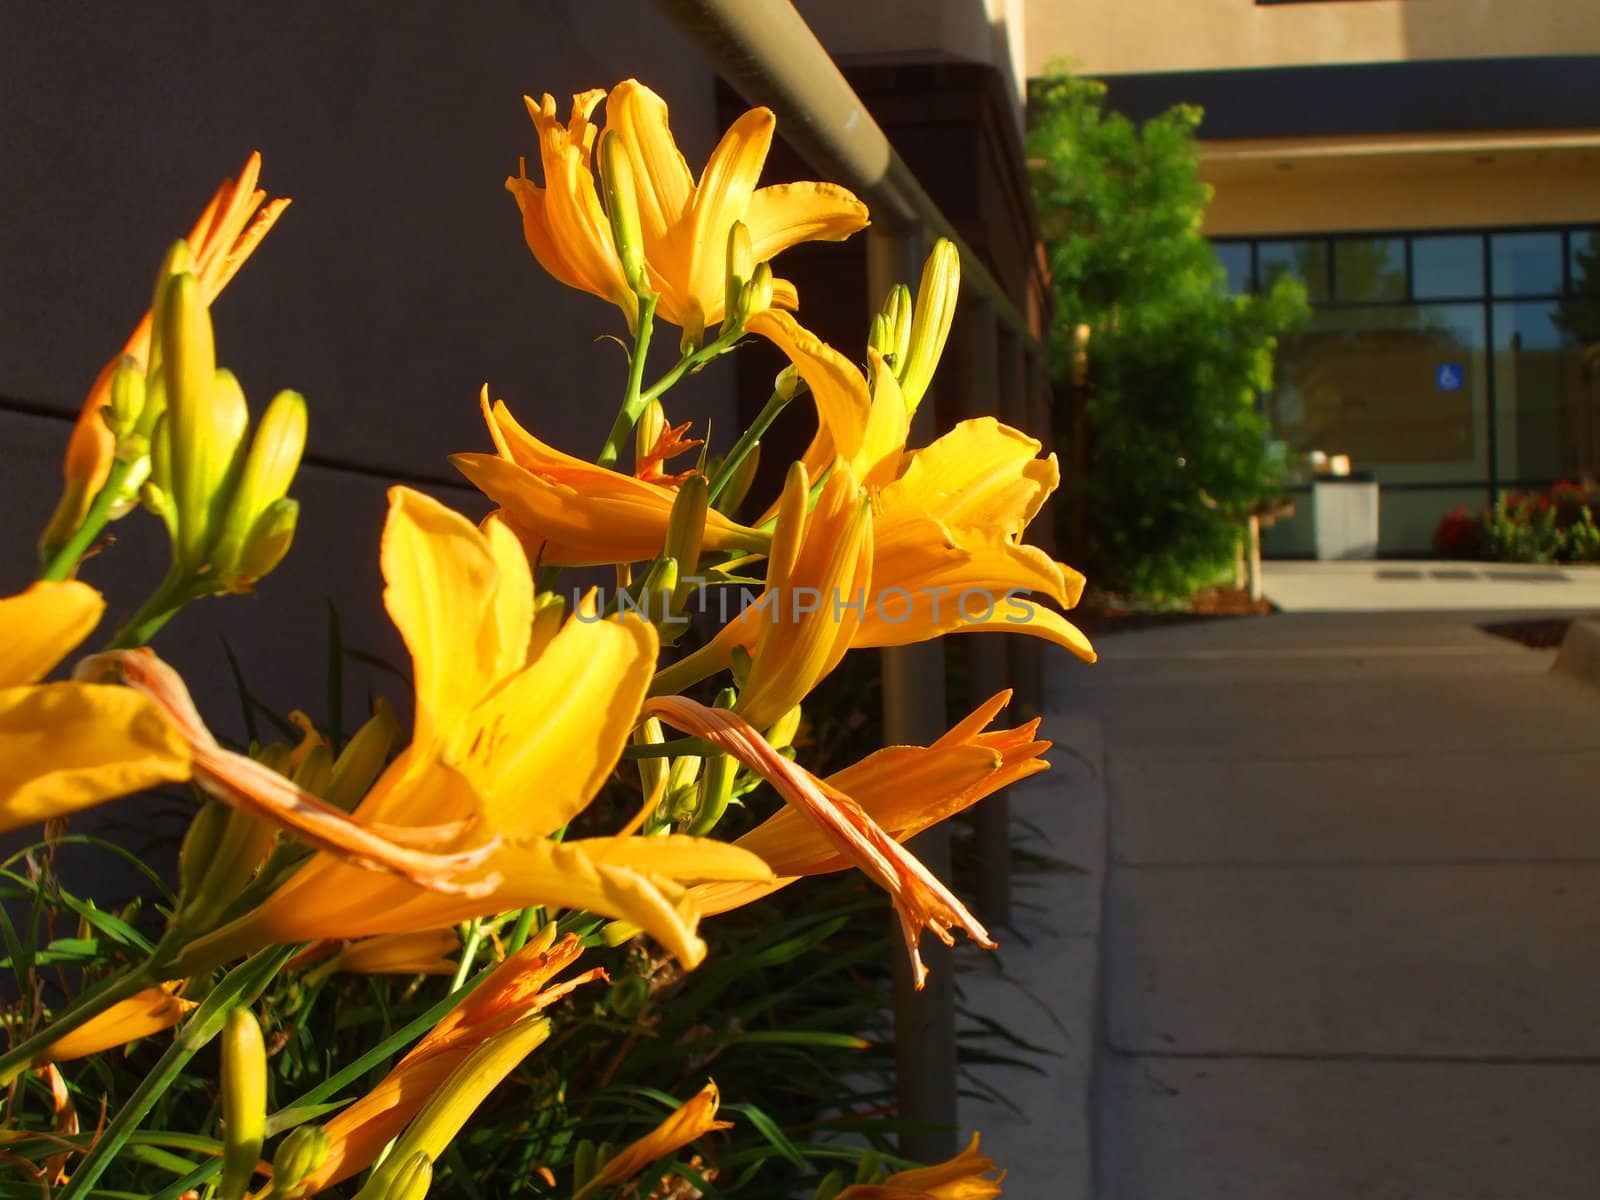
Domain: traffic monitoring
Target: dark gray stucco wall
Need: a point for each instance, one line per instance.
(394, 286)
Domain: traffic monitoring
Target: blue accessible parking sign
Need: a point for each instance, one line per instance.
(1449, 377)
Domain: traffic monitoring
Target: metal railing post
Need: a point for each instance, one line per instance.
(976, 372)
(914, 714)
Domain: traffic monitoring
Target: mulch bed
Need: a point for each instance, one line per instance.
(1100, 614)
(1540, 635)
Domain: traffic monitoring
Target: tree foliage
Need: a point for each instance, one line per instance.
(1178, 449)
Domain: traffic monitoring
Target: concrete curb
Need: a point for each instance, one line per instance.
(1043, 985)
(1579, 657)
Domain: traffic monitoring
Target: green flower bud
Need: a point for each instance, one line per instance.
(301, 1152)
(647, 432)
(269, 540)
(269, 469)
(363, 758)
(178, 261)
(584, 1164)
(315, 771)
(410, 1180)
(741, 262)
(244, 1102)
(930, 326)
(782, 732)
(686, 526)
(897, 310)
(832, 1184)
(199, 849)
(627, 997)
(738, 485)
(716, 782)
(127, 397)
(622, 207)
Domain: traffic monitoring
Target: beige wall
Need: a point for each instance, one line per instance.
(1110, 37)
(1313, 185)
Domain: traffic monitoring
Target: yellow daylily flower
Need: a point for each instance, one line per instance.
(573, 513)
(948, 542)
(920, 900)
(67, 746)
(220, 242)
(818, 578)
(516, 990)
(904, 789)
(964, 1177)
(685, 224)
(430, 952)
(692, 1119)
(139, 1016)
(513, 735)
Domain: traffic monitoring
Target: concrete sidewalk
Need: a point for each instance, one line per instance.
(1429, 585)
(1350, 938)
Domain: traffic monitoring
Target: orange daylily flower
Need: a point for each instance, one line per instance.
(427, 953)
(920, 900)
(692, 1119)
(904, 789)
(516, 729)
(964, 1177)
(220, 242)
(140, 1015)
(948, 519)
(67, 746)
(671, 442)
(573, 513)
(684, 224)
(517, 989)
(818, 574)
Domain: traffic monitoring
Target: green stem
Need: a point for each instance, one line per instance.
(85, 1007)
(747, 442)
(469, 954)
(240, 987)
(523, 929)
(632, 402)
(174, 1191)
(60, 565)
(690, 747)
(164, 603)
(689, 670)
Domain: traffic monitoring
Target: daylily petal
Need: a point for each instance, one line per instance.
(963, 1177)
(664, 182)
(140, 1015)
(981, 474)
(692, 1119)
(844, 405)
(67, 746)
(720, 199)
(440, 580)
(43, 624)
(539, 748)
(426, 953)
(787, 214)
(921, 901)
(883, 442)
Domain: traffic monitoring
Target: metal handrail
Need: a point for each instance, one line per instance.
(765, 49)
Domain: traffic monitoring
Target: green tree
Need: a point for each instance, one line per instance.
(1177, 447)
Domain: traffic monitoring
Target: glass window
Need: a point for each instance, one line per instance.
(1585, 263)
(1525, 264)
(1306, 261)
(1400, 387)
(1369, 269)
(1235, 260)
(1446, 266)
(1542, 408)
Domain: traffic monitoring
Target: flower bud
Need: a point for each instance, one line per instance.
(584, 1164)
(937, 294)
(409, 1181)
(686, 525)
(300, 1153)
(363, 758)
(783, 730)
(652, 771)
(716, 782)
(790, 528)
(741, 263)
(190, 369)
(657, 591)
(738, 485)
(269, 468)
(315, 771)
(647, 432)
(628, 996)
(179, 260)
(244, 1102)
(127, 397)
(199, 849)
(549, 614)
(269, 540)
(756, 295)
(447, 1110)
(622, 207)
(896, 336)
(831, 1185)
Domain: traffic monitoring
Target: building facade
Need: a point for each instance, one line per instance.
(1430, 170)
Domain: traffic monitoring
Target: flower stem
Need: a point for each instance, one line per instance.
(170, 595)
(61, 564)
(632, 401)
(240, 987)
(747, 442)
(469, 954)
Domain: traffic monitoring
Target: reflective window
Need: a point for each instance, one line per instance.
(1235, 260)
(1306, 261)
(1525, 264)
(1538, 392)
(1446, 266)
(1585, 263)
(1369, 269)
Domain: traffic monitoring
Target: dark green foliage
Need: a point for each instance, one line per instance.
(1177, 446)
